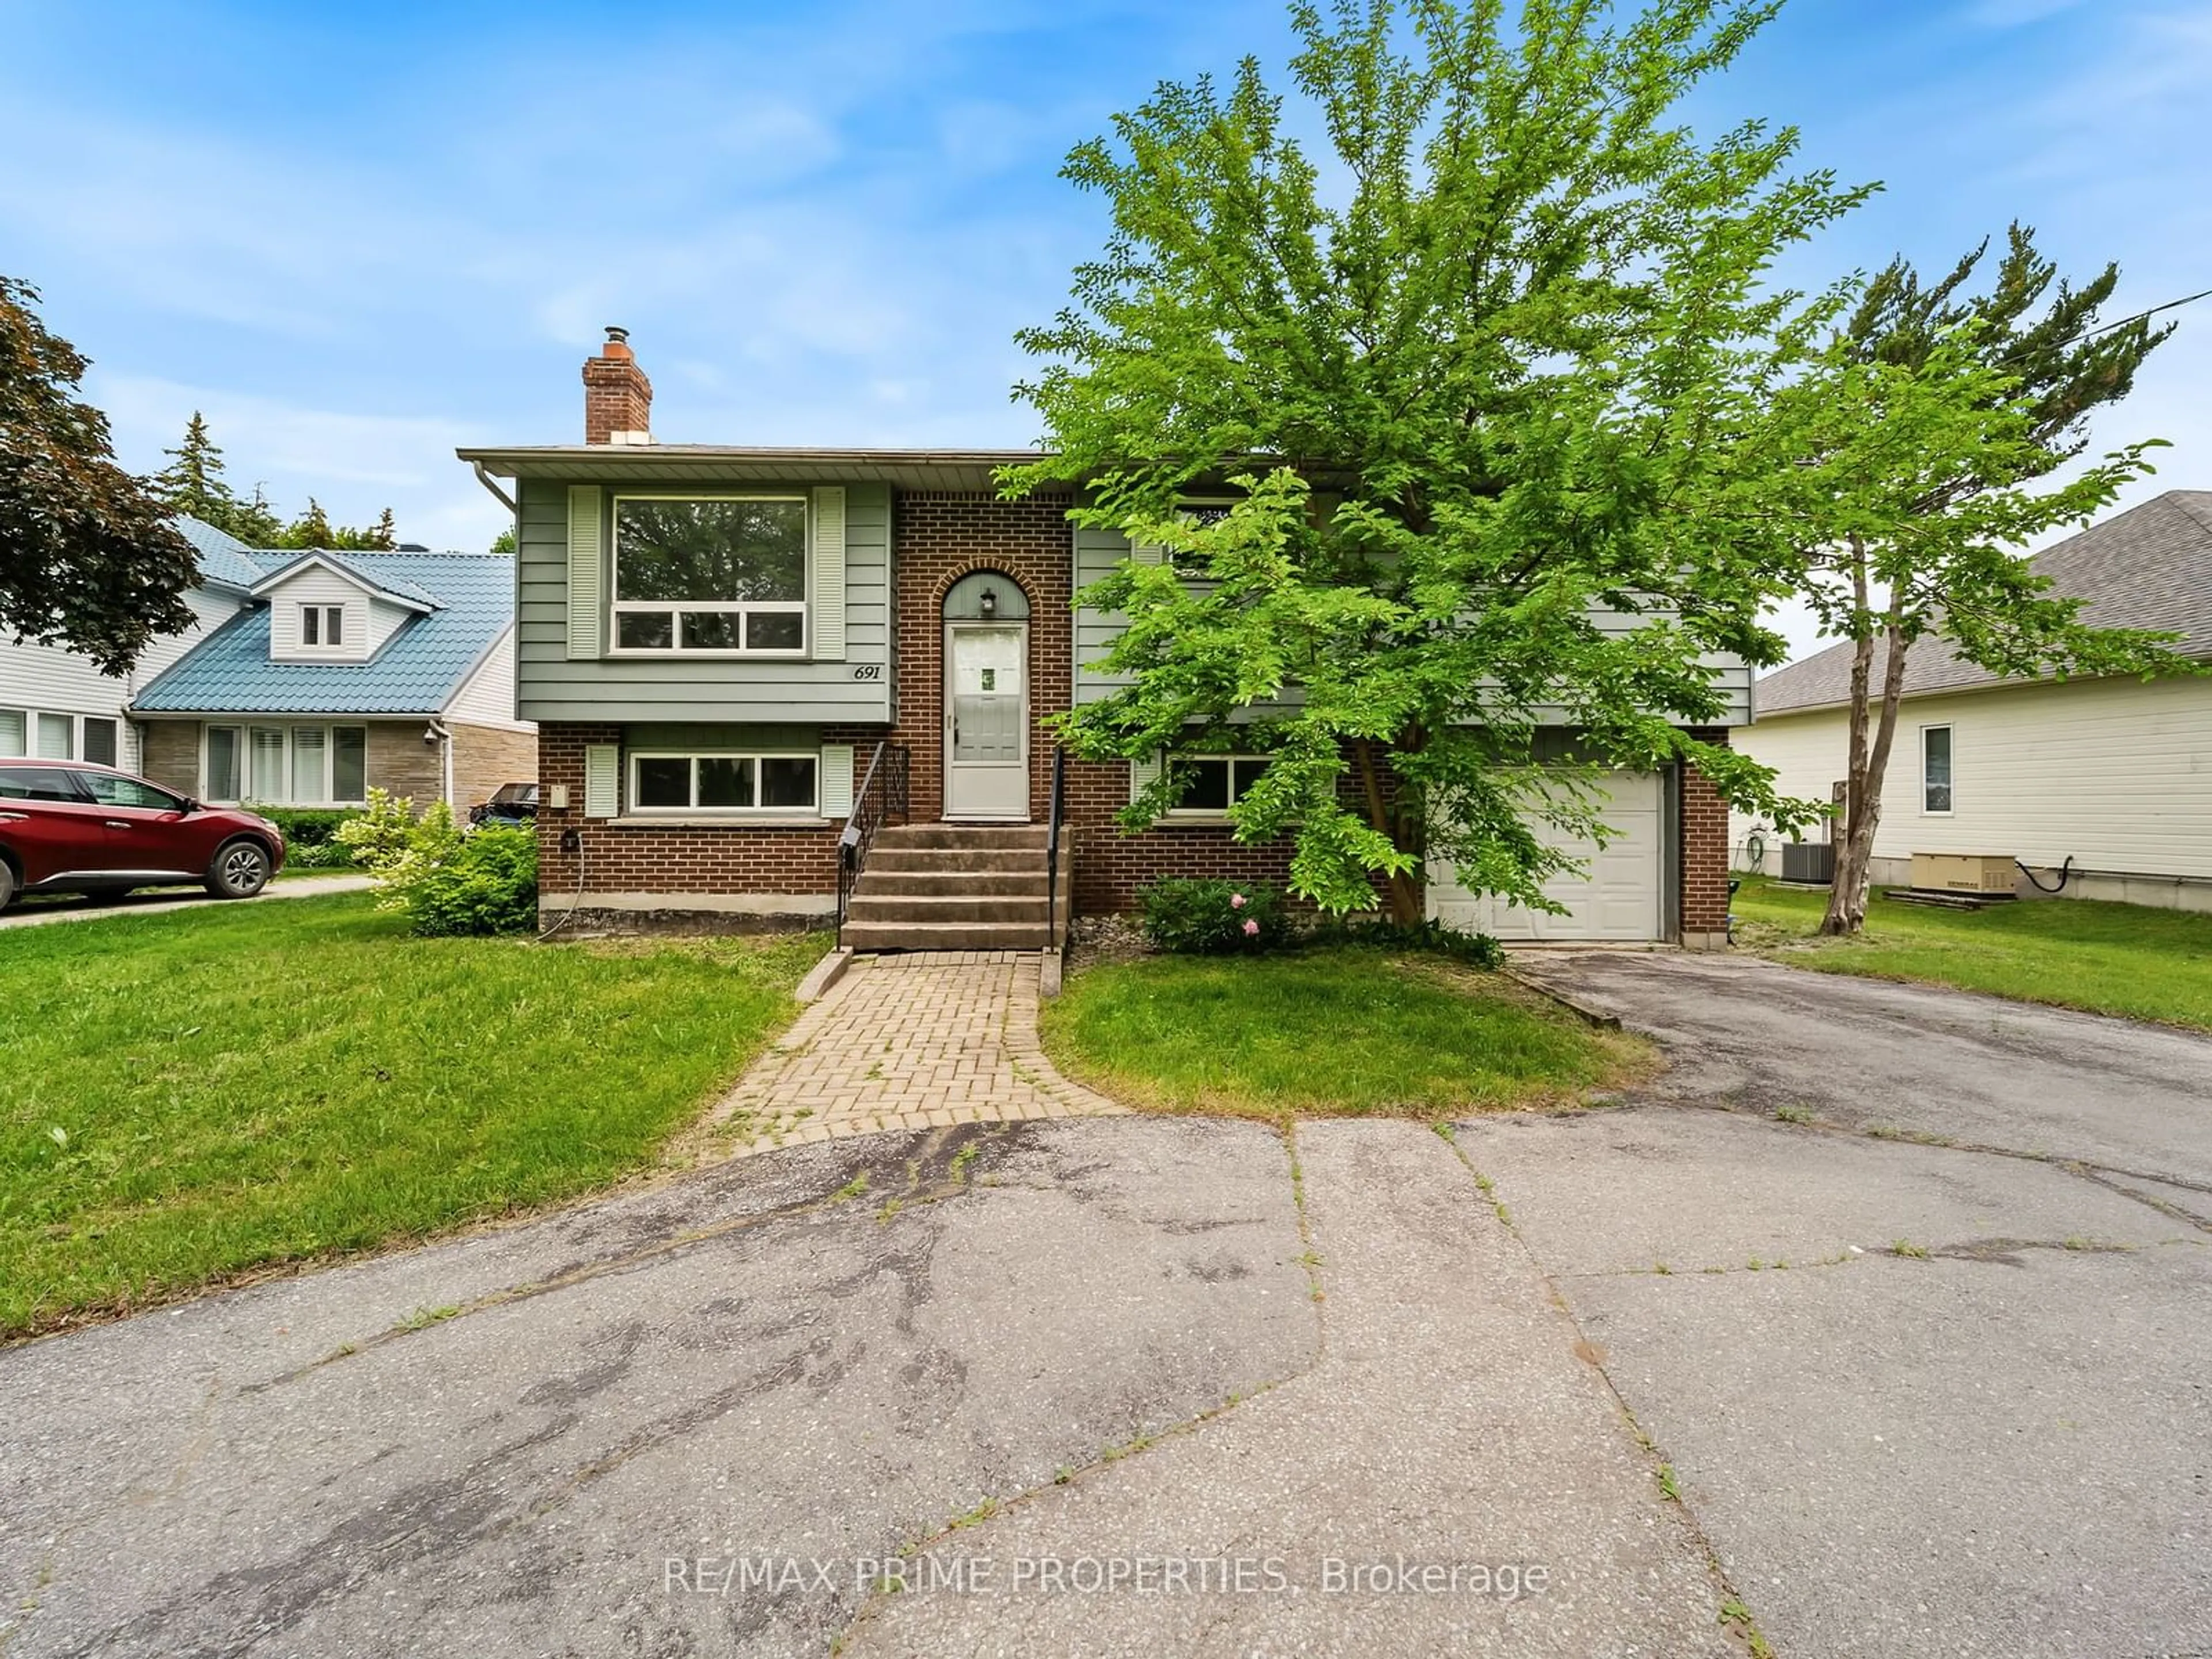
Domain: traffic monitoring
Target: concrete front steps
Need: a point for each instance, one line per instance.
(953, 887)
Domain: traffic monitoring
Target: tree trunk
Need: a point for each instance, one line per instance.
(1402, 895)
(1847, 898)
(1844, 880)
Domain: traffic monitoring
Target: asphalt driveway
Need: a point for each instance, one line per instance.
(1153, 1386)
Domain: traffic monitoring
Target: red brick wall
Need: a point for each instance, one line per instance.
(938, 537)
(657, 858)
(1704, 897)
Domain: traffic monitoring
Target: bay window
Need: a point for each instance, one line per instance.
(724, 574)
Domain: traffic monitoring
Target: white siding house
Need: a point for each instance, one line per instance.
(55, 704)
(2114, 775)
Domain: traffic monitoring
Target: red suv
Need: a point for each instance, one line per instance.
(72, 827)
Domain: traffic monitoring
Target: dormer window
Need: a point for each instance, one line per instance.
(322, 624)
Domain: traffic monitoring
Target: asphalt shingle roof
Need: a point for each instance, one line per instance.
(2150, 567)
(223, 557)
(417, 670)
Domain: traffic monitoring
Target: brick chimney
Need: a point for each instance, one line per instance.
(617, 398)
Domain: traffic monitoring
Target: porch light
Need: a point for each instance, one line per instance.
(988, 603)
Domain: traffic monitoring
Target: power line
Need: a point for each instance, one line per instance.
(2144, 316)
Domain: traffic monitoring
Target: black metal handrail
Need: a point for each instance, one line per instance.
(1052, 845)
(881, 796)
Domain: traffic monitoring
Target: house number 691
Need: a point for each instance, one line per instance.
(868, 670)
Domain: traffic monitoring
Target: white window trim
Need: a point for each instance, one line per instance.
(1926, 811)
(618, 608)
(635, 808)
(244, 723)
(324, 646)
(1209, 814)
(32, 717)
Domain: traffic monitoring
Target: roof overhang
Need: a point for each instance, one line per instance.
(965, 470)
(366, 584)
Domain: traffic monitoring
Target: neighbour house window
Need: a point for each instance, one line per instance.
(1217, 782)
(322, 624)
(1935, 768)
(100, 741)
(288, 765)
(723, 783)
(56, 735)
(14, 728)
(722, 573)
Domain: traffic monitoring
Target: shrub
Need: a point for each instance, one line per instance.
(449, 881)
(1208, 917)
(308, 826)
(317, 855)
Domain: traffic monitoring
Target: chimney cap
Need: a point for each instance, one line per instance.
(617, 336)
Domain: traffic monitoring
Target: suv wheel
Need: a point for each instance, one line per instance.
(7, 883)
(239, 871)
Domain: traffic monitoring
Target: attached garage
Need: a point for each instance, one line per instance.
(1620, 896)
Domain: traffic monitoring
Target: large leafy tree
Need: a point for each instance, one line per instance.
(1494, 370)
(88, 557)
(1930, 424)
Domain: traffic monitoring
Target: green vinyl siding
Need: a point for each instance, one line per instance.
(1097, 551)
(552, 685)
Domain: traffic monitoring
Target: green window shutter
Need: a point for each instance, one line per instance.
(602, 780)
(837, 780)
(588, 590)
(827, 601)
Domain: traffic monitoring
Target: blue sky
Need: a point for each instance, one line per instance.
(358, 236)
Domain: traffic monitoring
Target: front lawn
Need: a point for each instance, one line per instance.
(193, 1095)
(2107, 958)
(1347, 1031)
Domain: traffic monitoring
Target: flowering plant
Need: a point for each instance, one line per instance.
(1214, 917)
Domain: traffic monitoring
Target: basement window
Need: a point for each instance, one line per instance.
(1936, 769)
(721, 575)
(724, 783)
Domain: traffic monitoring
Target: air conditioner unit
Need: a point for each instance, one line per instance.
(1963, 873)
(1808, 862)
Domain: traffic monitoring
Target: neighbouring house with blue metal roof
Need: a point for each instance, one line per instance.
(57, 705)
(308, 679)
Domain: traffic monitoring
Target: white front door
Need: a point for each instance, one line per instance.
(1616, 895)
(987, 706)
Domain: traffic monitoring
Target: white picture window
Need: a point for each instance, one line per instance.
(287, 765)
(778, 784)
(1935, 768)
(724, 574)
(1217, 782)
(322, 625)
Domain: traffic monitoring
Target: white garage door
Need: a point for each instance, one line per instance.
(1615, 897)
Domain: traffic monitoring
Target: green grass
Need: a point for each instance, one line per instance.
(2108, 958)
(195, 1095)
(1341, 1031)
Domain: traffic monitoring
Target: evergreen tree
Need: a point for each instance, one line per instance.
(312, 529)
(192, 485)
(1903, 571)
